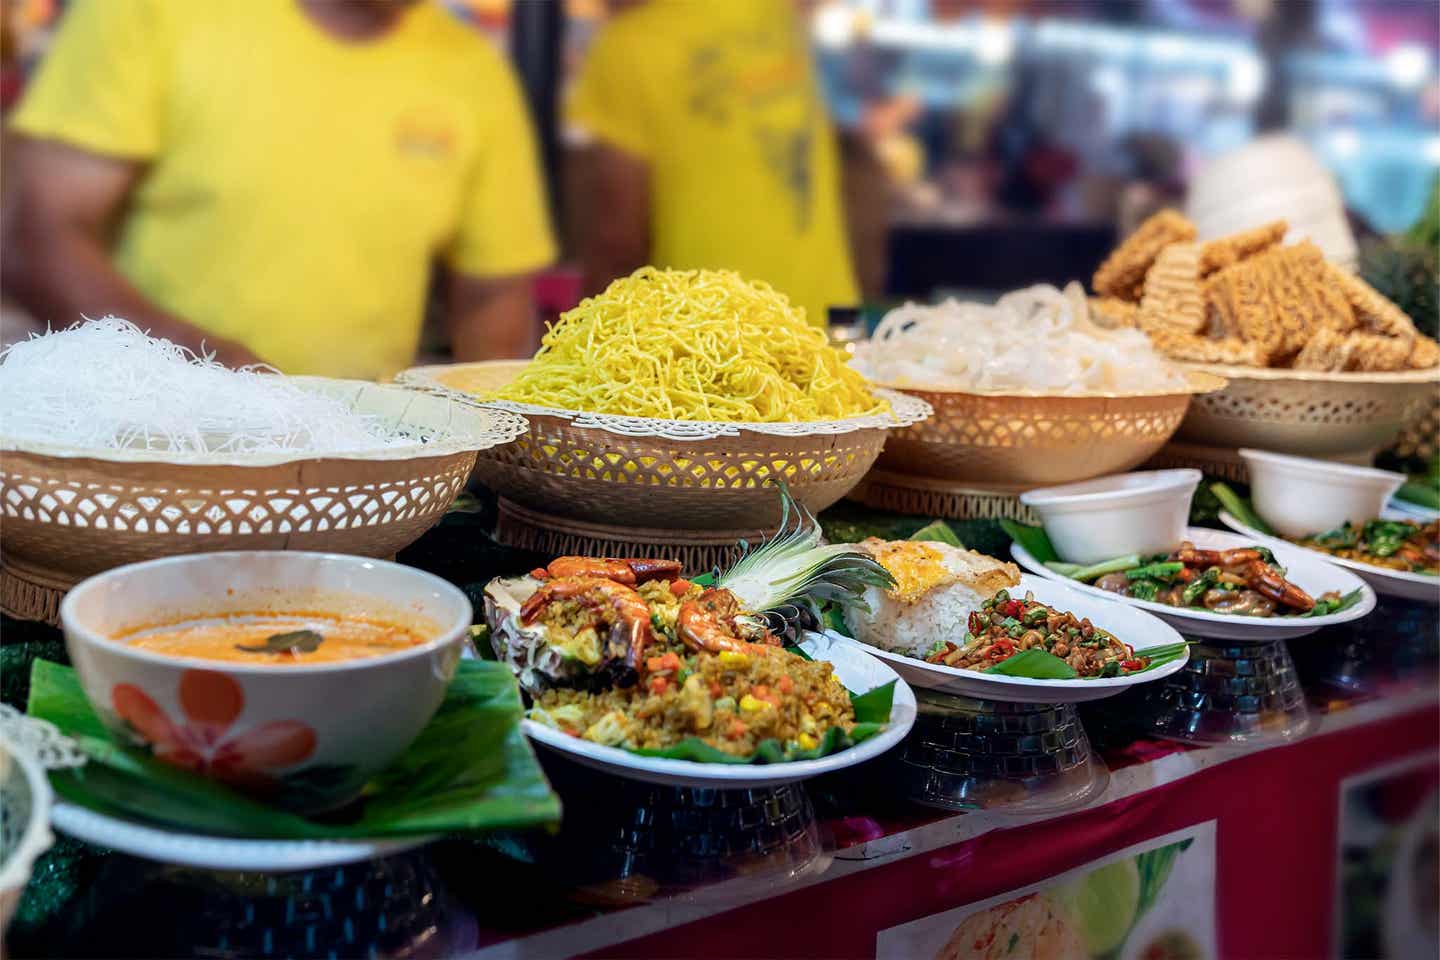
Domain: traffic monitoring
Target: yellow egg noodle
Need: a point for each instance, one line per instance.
(692, 345)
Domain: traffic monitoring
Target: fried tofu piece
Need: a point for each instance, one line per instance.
(1219, 254)
(1173, 297)
(1123, 272)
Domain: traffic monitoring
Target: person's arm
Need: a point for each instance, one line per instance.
(490, 318)
(60, 207)
(609, 205)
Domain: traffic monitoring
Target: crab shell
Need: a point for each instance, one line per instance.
(527, 648)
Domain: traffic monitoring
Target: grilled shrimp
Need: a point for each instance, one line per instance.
(713, 622)
(608, 603)
(1266, 582)
(1240, 556)
(631, 572)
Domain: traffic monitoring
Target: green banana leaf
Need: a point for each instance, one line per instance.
(1423, 492)
(938, 531)
(1034, 664)
(470, 769)
(1033, 539)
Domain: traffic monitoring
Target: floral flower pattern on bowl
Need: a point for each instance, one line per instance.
(211, 702)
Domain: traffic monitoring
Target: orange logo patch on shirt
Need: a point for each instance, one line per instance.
(424, 136)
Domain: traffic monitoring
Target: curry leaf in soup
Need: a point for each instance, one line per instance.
(299, 641)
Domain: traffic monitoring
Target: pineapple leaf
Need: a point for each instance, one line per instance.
(794, 564)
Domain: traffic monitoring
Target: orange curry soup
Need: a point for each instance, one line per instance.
(247, 638)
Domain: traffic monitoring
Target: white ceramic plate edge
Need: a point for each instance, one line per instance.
(690, 773)
(1210, 624)
(1398, 509)
(1394, 583)
(167, 845)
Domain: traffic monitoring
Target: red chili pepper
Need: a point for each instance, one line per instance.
(1131, 664)
(1013, 608)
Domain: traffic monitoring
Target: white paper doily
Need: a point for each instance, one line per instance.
(904, 410)
(40, 739)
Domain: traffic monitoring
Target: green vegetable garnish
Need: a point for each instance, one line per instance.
(296, 641)
(1164, 572)
(1385, 537)
(1239, 508)
(1196, 589)
(1097, 570)
(1143, 590)
(1342, 537)
(1323, 608)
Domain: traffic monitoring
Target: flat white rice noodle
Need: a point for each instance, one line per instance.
(1038, 340)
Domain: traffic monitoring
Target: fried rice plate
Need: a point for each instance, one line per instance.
(732, 701)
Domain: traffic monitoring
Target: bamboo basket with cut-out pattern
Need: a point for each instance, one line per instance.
(1305, 412)
(1025, 440)
(67, 516)
(623, 472)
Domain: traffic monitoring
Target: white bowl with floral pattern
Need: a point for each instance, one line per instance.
(306, 736)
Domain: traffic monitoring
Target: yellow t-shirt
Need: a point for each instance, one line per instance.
(722, 102)
(297, 186)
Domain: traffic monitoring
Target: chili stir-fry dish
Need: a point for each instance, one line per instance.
(1243, 581)
(1393, 544)
(940, 590)
(1004, 627)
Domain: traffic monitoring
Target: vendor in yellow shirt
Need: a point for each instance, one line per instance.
(276, 178)
(702, 141)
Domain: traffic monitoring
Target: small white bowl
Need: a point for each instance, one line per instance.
(1299, 496)
(306, 736)
(1144, 512)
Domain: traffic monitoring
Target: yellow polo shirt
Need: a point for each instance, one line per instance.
(722, 102)
(298, 186)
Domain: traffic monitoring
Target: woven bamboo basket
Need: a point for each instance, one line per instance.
(624, 472)
(1336, 416)
(934, 497)
(68, 516)
(1031, 440)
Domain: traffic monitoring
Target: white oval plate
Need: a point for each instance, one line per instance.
(1314, 576)
(1398, 509)
(1135, 627)
(1392, 583)
(856, 668)
(167, 845)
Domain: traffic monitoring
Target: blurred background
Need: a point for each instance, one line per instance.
(987, 144)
